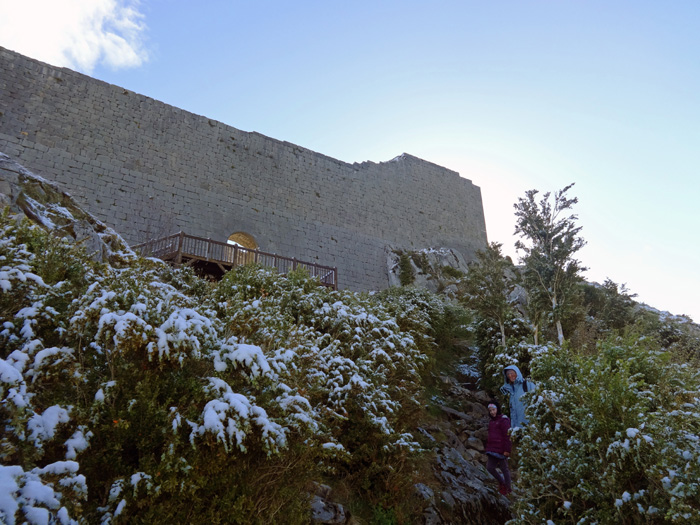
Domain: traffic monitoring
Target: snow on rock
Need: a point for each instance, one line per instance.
(46, 204)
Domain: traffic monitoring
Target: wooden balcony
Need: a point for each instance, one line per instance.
(216, 258)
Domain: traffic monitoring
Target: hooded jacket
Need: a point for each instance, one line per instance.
(498, 439)
(515, 391)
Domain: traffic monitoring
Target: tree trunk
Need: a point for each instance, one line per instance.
(560, 333)
(503, 332)
(560, 330)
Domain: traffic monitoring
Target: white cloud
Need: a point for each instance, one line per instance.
(77, 34)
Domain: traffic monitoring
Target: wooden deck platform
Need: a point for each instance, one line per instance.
(216, 257)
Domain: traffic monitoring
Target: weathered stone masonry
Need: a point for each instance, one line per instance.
(149, 169)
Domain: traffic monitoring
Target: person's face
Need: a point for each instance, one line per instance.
(493, 410)
(511, 375)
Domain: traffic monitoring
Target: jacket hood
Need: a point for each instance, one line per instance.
(518, 374)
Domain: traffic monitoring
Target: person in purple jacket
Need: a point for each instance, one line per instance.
(498, 447)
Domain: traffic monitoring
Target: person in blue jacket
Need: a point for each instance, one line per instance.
(514, 387)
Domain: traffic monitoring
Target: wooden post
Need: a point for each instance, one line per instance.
(180, 242)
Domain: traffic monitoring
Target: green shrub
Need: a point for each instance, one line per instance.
(420, 259)
(125, 400)
(407, 275)
(612, 438)
(493, 357)
(356, 358)
(673, 333)
(451, 271)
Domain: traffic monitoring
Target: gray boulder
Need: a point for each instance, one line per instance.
(44, 203)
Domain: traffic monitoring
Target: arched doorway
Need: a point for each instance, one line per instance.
(243, 240)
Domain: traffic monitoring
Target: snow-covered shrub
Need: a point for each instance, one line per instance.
(160, 397)
(357, 358)
(119, 374)
(346, 353)
(416, 311)
(194, 410)
(606, 309)
(613, 438)
(675, 333)
(493, 357)
(436, 322)
(40, 276)
(37, 496)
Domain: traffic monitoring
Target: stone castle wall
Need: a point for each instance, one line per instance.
(148, 169)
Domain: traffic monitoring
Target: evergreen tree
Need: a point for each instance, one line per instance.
(611, 304)
(488, 284)
(549, 240)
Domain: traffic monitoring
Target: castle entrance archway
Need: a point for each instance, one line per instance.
(244, 240)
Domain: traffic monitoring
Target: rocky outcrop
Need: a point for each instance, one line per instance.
(46, 204)
(467, 493)
(461, 490)
(325, 511)
(435, 269)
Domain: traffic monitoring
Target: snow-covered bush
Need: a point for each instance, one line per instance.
(356, 360)
(144, 394)
(493, 357)
(135, 387)
(613, 438)
(675, 333)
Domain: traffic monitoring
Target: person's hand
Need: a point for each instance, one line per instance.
(506, 454)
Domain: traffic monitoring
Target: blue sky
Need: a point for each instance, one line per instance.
(512, 95)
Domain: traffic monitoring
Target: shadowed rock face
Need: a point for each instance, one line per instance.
(461, 490)
(467, 492)
(44, 203)
(430, 268)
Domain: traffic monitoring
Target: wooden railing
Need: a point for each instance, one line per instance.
(181, 247)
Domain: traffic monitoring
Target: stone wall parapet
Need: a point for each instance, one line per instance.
(149, 169)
